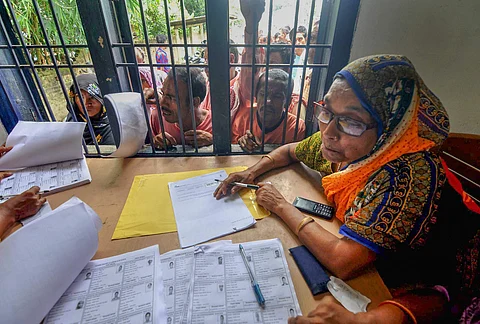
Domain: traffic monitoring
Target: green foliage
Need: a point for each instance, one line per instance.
(195, 8)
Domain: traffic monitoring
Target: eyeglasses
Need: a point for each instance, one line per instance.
(167, 96)
(346, 125)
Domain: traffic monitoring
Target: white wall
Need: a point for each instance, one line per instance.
(440, 37)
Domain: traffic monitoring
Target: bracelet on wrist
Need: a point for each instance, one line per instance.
(402, 307)
(270, 158)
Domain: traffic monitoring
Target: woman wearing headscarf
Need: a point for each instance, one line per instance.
(93, 100)
(378, 125)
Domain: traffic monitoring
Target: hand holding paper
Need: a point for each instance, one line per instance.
(37, 143)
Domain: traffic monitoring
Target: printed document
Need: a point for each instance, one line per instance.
(41, 260)
(210, 284)
(50, 178)
(37, 143)
(125, 288)
(195, 208)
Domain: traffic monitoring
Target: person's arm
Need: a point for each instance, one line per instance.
(17, 208)
(426, 306)
(280, 157)
(341, 256)
(252, 11)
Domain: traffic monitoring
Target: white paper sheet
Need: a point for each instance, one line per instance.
(195, 208)
(41, 260)
(210, 284)
(36, 143)
(129, 113)
(50, 178)
(350, 298)
(177, 268)
(126, 288)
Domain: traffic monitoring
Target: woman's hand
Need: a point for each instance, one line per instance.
(328, 311)
(269, 197)
(224, 189)
(17, 208)
(4, 150)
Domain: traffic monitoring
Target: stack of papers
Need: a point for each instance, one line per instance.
(46, 271)
(48, 155)
(199, 216)
(148, 209)
(210, 284)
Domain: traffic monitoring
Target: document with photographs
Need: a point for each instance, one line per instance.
(195, 207)
(210, 284)
(50, 178)
(126, 288)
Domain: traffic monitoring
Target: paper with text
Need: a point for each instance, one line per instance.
(126, 288)
(50, 178)
(41, 260)
(195, 208)
(37, 143)
(222, 291)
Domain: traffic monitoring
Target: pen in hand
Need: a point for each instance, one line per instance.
(255, 286)
(240, 184)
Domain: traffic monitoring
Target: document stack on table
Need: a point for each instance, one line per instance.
(48, 155)
(195, 208)
(210, 283)
(47, 274)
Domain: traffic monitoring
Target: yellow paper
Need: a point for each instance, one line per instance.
(148, 209)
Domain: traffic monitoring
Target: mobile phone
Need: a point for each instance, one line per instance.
(314, 208)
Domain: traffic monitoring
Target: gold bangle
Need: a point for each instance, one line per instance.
(304, 222)
(402, 307)
(270, 158)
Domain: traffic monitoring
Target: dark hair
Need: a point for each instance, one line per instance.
(284, 51)
(161, 38)
(234, 51)
(147, 313)
(300, 29)
(197, 80)
(285, 29)
(274, 74)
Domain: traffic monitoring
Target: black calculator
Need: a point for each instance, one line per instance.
(314, 208)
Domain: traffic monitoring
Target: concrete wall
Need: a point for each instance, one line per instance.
(440, 37)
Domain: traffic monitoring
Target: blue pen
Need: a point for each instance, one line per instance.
(255, 286)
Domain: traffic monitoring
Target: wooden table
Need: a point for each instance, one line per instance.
(111, 183)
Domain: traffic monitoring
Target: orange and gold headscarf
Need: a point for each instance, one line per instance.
(409, 116)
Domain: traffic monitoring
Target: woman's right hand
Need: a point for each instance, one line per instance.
(225, 189)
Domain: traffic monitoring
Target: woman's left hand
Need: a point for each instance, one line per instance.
(328, 311)
(269, 197)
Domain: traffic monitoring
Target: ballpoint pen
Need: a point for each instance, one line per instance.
(11, 196)
(255, 286)
(240, 184)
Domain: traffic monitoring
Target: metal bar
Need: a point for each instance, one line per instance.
(98, 42)
(45, 46)
(315, 84)
(17, 64)
(123, 23)
(193, 45)
(342, 39)
(174, 74)
(310, 27)
(253, 64)
(44, 66)
(190, 92)
(77, 88)
(154, 81)
(290, 73)
(52, 55)
(30, 61)
(267, 61)
(218, 52)
(461, 161)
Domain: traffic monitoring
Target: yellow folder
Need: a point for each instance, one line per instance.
(148, 209)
